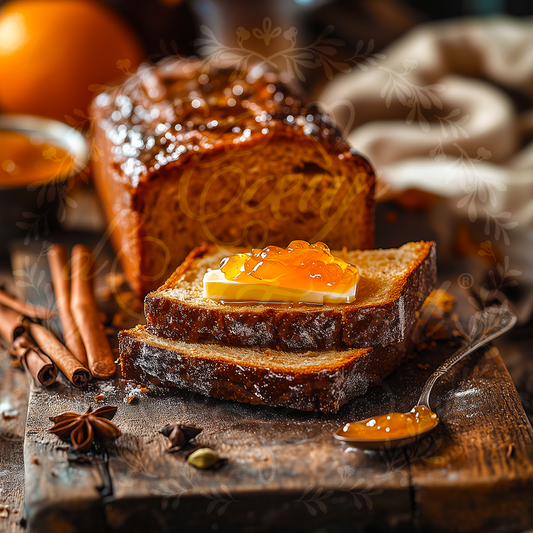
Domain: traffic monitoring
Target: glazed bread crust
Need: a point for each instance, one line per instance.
(187, 156)
(393, 285)
(308, 381)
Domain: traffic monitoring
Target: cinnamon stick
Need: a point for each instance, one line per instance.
(26, 309)
(59, 269)
(39, 365)
(85, 312)
(74, 371)
(10, 324)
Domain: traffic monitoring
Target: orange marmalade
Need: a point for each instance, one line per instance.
(26, 159)
(392, 425)
(299, 266)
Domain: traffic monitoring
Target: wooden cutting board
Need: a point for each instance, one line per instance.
(285, 471)
(475, 472)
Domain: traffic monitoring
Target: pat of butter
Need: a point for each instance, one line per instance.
(217, 287)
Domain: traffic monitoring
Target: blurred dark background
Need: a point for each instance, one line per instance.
(171, 26)
(381, 20)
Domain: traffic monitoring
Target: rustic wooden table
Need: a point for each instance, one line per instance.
(474, 473)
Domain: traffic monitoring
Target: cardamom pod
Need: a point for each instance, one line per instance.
(203, 458)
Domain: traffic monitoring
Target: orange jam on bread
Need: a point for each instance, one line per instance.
(299, 266)
(392, 425)
(302, 272)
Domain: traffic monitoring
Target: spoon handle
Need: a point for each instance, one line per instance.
(488, 324)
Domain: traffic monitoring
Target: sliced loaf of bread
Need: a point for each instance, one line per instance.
(393, 285)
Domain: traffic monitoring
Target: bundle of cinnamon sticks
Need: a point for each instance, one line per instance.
(86, 351)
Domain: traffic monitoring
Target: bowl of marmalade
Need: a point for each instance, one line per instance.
(38, 158)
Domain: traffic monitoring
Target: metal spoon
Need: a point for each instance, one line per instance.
(488, 324)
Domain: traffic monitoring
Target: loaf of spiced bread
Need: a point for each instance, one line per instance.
(393, 285)
(187, 156)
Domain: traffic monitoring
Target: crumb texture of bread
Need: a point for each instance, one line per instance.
(184, 160)
(308, 381)
(393, 285)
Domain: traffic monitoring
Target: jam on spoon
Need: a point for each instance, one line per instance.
(389, 426)
(399, 429)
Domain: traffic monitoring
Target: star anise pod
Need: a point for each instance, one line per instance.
(179, 434)
(82, 429)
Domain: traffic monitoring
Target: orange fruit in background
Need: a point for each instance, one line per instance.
(51, 51)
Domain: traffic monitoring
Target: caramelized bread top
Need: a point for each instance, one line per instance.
(167, 114)
(393, 285)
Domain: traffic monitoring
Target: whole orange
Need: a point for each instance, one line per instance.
(52, 51)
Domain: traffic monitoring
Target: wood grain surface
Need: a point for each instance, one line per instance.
(284, 468)
(14, 392)
(13, 400)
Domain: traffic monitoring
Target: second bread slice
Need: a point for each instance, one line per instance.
(393, 285)
(308, 381)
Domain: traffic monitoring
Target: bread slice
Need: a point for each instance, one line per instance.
(394, 284)
(308, 381)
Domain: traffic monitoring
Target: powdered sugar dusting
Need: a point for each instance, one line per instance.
(256, 334)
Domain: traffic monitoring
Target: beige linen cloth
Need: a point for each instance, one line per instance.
(437, 115)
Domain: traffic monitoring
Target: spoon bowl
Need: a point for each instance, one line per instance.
(376, 444)
(487, 324)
